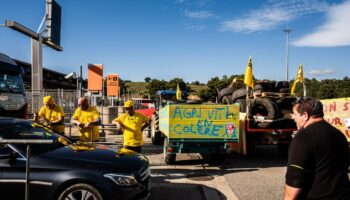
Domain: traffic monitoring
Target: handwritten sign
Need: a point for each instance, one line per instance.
(200, 121)
(336, 112)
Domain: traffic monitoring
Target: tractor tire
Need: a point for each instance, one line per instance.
(224, 92)
(284, 90)
(226, 100)
(149, 132)
(156, 135)
(263, 107)
(238, 94)
(280, 85)
(169, 158)
(242, 105)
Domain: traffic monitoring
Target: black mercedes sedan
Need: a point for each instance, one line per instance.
(66, 170)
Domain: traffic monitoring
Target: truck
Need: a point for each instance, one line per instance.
(13, 100)
(265, 115)
(198, 128)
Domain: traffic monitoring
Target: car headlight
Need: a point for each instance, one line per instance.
(121, 179)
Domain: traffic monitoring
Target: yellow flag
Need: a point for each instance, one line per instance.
(248, 75)
(178, 92)
(298, 79)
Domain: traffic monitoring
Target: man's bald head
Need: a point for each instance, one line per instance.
(83, 103)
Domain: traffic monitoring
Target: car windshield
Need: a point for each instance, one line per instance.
(27, 131)
(11, 83)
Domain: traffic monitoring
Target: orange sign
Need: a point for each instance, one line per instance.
(95, 74)
(112, 84)
(336, 112)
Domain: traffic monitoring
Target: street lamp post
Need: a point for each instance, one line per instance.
(287, 31)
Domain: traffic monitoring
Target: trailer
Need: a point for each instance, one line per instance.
(265, 115)
(199, 128)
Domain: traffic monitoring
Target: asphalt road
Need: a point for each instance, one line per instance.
(260, 176)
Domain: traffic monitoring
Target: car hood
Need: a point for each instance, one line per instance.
(97, 156)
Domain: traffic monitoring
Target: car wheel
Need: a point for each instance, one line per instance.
(169, 158)
(80, 191)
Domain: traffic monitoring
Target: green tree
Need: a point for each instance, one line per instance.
(122, 87)
(326, 92)
(148, 79)
(156, 85)
(172, 85)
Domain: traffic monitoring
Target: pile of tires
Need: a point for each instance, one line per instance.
(265, 107)
(282, 86)
(224, 95)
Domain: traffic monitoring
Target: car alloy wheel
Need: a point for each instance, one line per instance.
(80, 192)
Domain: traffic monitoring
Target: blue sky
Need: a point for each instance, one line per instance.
(193, 40)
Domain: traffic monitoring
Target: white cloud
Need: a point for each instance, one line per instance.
(256, 21)
(197, 3)
(273, 14)
(180, 1)
(198, 14)
(321, 72)
(335, 32)
(196, 27)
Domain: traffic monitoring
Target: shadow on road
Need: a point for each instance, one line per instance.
(176, 191)
(264, 157)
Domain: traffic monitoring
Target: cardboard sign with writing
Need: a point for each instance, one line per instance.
(337, 112)
(218, 122)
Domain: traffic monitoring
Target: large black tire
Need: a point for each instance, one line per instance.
(281, 84)
(224, 92)
(80, 191)
(156, 135)
(242, 104)
(238, 94)
(263, 107)
(149, 132)
(284, 90)
(169, 158)
(226, 100)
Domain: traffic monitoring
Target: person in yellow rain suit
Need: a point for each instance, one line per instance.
(132, 123)
(52, 114)
(87, 118)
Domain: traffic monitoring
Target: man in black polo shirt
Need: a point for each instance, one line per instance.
(318, 156)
